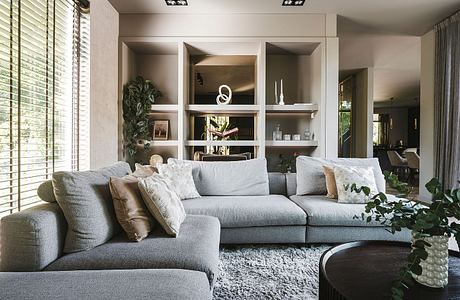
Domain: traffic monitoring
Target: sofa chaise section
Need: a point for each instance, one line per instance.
(253, 219)
(196, 248)
(158, 284)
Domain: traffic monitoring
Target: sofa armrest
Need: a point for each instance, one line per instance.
(33, 238)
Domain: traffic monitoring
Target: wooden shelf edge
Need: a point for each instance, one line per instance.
(222, 143)
(155, 108)
(291, 143)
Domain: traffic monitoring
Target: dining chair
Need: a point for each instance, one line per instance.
(398, 163)
(413, 162)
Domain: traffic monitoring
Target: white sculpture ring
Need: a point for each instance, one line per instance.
(222, 98)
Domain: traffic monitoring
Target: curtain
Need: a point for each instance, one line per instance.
(447, 101)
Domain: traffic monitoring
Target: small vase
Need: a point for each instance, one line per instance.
(435, 269)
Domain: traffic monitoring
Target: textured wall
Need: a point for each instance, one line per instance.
(104, 84)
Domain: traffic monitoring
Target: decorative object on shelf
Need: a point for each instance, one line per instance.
(281, 94)
(160, 129)
(224, 99)
(276, 92)
(156, 160)
(307, 135)
(296, 137)
(287, 137)
(287, 162)
(138, 96)
(219, 129)
(430, 225)
(277, 133)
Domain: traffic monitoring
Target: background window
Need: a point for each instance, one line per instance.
(44, 96)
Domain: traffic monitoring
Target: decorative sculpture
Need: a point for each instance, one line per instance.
(224, 99)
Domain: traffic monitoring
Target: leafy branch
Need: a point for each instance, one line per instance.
(138, 96)
(422, 220)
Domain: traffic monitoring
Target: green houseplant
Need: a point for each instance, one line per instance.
(429, 224)
(138, 96)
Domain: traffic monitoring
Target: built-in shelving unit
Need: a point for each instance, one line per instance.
(223, 109)
(164, 108)
(291, 143)
(188, 72)
(230, 143)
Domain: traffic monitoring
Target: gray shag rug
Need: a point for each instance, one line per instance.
(268, 272)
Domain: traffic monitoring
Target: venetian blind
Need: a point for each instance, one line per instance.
(44, 95)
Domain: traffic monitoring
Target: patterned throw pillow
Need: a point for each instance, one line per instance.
(163, 203)
(361, 176)
(144, 170)
(181, 179)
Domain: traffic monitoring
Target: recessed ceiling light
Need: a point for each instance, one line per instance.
(176, 2)
(293, 2)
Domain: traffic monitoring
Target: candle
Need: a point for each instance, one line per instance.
(281, 86)
(276, 88)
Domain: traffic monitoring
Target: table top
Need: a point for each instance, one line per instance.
(366, 270)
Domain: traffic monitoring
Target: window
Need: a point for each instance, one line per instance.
(381, 124)
(44, 95)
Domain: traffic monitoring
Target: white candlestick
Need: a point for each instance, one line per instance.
(276, 92)
(281, 94)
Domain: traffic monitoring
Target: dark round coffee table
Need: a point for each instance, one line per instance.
(365, 270)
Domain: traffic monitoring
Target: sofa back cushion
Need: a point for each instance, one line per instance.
(310, 174)
(87, 205)
(232, 178)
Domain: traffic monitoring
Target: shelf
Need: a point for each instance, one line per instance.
(163, 108)
(221, 143)
(307, 107)
(222, 109)
(167, 143)
(291, 143)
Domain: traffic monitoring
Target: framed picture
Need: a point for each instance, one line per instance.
(160, 129)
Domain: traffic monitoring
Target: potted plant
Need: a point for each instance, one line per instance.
(429, 224)
(138, 96)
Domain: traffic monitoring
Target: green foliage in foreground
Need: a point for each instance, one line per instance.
(422, 220)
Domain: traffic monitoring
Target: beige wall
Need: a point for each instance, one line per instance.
(426, 113)
(362, 114)
(104, 84)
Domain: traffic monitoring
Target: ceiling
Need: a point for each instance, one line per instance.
(414, 17)
(383, 35)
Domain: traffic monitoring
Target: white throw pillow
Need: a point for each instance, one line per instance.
(162, 202)
(181, 179)
(361, 176)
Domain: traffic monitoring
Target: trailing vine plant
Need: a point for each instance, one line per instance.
(138, 96)
(422, 220)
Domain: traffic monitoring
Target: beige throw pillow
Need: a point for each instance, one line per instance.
(130, 209)
(181, 178)
(144, 170)
(330, 182)
(361, 176)
(162, 202)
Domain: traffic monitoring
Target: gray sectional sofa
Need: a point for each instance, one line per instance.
(162, 267)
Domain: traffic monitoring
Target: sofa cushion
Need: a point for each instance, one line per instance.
(87, 204)
(33, 238)
(162, 202)
(108, 284)
(247, 211)
(45, 191)
(229, 178)
(196, 248)
(129, 206)
(277, 182)
(322, 211)
(311, 179)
